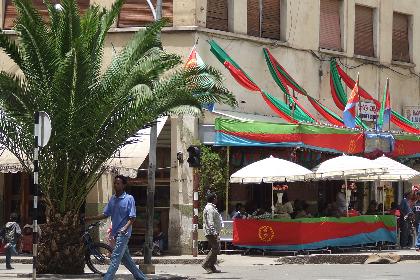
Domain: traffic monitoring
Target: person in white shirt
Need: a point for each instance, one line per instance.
(212, 225)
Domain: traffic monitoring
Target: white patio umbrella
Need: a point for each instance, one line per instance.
(270, 170)
(395, 172)
(347, 167)
(9, 163)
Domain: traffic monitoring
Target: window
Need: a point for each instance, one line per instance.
(363, 31)
(138, 13)
(10, 11)
(217, 14)
(400, 40)
(263, 18)
(329, 25)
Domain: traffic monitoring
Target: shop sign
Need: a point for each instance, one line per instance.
(368, 111)
(280, 187)
(412, 113)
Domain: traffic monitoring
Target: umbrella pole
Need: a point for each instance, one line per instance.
(227, 182)
(383, 197)
(347, 207)
(272, 201)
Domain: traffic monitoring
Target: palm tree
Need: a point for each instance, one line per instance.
(93, 112)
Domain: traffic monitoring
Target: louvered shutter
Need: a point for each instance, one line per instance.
(10, 11)
(271, 19)
(138, 13)
(217, 14)
(329, 25)
(253, 18)
(400, 43)
(363, 31)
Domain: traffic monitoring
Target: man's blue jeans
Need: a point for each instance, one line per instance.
(418, 237)
(11, 250)
(122, 255)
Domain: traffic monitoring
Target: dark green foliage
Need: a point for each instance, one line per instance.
(213, 176)
(93, 112)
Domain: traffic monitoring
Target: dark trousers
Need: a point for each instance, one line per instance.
(214, 245)
(405, 236)
(11, 250)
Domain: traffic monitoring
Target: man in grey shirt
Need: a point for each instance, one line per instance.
(212, 225)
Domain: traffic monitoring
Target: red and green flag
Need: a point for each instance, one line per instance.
(340, 99)
(292, 115)
(385, 111)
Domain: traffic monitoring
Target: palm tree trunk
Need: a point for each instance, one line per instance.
(61, 249)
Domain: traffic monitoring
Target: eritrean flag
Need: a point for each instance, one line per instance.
(385, 112)
(195, 61)
(349, 113)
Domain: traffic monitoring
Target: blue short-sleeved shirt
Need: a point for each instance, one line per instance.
(120, 209)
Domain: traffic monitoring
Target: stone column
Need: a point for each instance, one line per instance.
(184, 131)
(2, 8)
(97, 198)
(237, 19)
(184, 13)
(201, 13)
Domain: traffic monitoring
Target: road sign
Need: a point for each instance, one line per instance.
(44, 129)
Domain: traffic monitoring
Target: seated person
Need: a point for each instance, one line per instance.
(394, 210)
(261, 213)
(283, 207)
(332, 210)
(237, 208)
(380, 209)
(241, 213)
(302, 210)
(372, 208)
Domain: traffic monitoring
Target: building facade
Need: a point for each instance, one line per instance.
(377, 39)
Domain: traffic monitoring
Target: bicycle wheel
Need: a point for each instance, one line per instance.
(98, 258)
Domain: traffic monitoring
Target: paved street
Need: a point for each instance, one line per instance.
(248, 267)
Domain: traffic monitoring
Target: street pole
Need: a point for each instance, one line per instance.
(42, 133)
(150, 207)
(36, 187)
(196, 205)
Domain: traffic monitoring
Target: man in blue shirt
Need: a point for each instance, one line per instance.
(122, 210)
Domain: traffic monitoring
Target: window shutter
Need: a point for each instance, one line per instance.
(363, 31)
(271, 19)
(253, 18)
(217, 14)
(400, 43)
(138, 13)
(329, 25)
(11, 14)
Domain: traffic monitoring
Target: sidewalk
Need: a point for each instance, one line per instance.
(23, 264)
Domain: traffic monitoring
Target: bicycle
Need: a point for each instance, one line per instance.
(98, 254)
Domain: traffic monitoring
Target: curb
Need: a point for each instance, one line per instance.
(334, 259)
(96, 276)
(136, 260)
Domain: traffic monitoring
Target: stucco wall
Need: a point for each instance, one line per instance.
(298, 52)
(184, 132)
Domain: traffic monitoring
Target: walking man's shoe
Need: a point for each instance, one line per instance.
(208, 269)
(215, 270)
(9, 267)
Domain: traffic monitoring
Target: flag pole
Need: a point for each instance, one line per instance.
(386, 96)
(358, 100)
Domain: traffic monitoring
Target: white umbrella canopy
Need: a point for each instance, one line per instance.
(347, 166)
(270, 170)
(395, 171)
(9, 163)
